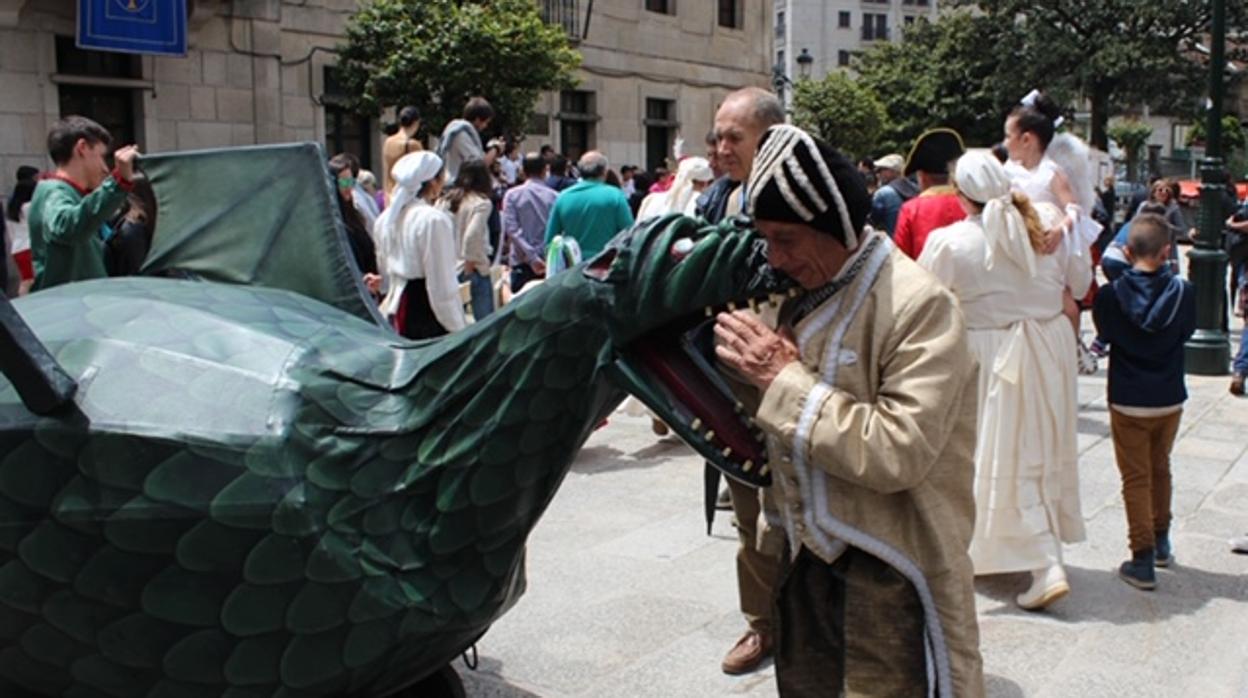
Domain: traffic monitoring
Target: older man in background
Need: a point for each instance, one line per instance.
(591, 211)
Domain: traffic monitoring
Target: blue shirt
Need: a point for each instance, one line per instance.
(526, 210)
(591, 212)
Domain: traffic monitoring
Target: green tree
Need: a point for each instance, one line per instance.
(1131, 135)
(840, 112)
(1114, 52)
(961, 71)
(1233, 137)
(436, 54)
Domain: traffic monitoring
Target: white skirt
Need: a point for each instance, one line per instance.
(1026, 474)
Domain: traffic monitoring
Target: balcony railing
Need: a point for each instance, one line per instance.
(564, 13)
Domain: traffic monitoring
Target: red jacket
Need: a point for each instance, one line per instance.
(934, 208)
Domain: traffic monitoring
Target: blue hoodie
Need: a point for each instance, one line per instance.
(1146, 317)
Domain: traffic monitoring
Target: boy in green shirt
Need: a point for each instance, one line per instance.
(71, 206)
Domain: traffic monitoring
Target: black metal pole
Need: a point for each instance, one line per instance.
(1208, 352)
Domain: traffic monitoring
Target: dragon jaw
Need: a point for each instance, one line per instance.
(670, 277)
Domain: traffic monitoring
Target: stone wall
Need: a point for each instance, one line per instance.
(252, 74)
(631, 54)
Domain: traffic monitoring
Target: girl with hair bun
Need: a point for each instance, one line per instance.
(1054, 170)
(1011, 293)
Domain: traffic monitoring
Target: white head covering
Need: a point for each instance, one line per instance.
(982, 179)
(408, 174)
(692, 169)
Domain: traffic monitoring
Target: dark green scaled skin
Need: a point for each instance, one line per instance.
(260, 495)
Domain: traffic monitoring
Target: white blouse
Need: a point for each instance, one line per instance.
(422, 247)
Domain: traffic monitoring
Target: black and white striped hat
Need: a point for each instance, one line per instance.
(799, 179)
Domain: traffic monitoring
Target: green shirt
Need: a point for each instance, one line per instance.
(592, 212)
(65, 243)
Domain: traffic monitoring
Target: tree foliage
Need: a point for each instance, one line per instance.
(839, 111)
(1233, 137)
(961, 71)
(1131, 135)
(436, 54)
(1114, 52)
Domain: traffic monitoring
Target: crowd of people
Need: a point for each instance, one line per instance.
(919, 398)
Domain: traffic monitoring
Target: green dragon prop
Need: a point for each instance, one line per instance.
(258, 492)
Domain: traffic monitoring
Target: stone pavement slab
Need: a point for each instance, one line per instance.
(628, 596)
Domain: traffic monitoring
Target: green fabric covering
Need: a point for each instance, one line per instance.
(260, 216)
(255, 492)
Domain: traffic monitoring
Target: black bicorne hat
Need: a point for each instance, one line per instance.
(934, 150)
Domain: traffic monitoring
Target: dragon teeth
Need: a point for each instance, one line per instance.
(732, 307)
(727, 452)
(763, 470)
(746, 466)
(710, 434)
(793, 293)
(710, 312)
(696, 424)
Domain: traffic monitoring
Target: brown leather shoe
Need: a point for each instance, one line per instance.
(748, 654)
(1237, 384)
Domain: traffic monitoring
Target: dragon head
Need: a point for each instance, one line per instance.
(667, 278)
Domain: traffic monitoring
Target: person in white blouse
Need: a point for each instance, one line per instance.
(1011, 295)
(416, 252)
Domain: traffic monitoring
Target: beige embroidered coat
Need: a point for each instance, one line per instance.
(871, 438)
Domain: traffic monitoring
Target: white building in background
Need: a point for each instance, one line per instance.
(832, 31)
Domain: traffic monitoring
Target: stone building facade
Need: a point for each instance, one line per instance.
(254, 73)
(652, 69)
(258, 71)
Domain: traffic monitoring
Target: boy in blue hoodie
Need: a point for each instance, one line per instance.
(1147, 315)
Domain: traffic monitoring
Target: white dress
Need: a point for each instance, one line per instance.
(1026, 477)
(1037, 184)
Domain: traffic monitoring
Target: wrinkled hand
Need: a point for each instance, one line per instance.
(373, 282)
(125, 157)
(756, 351)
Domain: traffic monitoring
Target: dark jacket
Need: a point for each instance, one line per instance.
(714, 201)
(1146, 318)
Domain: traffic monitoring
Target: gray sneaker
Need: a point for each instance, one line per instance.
(1239, 545)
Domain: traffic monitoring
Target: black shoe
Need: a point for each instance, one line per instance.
(1163, 556)
(1138, 571)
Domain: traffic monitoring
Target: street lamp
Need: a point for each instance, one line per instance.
(1208, 352)
(804, 63)
(779, 80)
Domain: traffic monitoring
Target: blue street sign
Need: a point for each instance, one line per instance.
(133, 26)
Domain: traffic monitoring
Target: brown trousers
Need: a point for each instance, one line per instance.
(756, 571)
(1142, 450)
(853, 628)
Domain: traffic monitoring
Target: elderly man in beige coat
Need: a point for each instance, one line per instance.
(867, 395)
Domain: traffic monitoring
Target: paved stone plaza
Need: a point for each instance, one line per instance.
(628, 596)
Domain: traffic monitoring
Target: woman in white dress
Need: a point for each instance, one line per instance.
(416, 252)
(1053, 171)
(1010, 292)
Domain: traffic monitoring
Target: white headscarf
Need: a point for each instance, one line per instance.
(409, 174)
(982, 179)
(677, 198)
